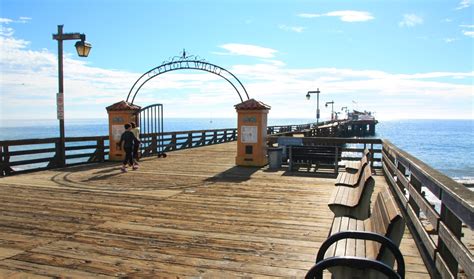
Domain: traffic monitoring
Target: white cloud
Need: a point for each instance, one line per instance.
(468, 33)
(463, 4)
(449, 40)
(410, 20)
(249, 50)
(22, 19)
(306, 15)
(297, 29)
(347, 15)
(5, 20)
(351, 16)
(29, 83)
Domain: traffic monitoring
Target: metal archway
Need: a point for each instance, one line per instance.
(187, 63)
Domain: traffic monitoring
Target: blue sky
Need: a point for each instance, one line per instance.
(401, 59)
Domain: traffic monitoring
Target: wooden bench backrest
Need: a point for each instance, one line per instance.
(366, 153)
(387, 220)
(363, 162)
(362, 167)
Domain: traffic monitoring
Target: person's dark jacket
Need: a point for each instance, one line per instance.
(128, 139)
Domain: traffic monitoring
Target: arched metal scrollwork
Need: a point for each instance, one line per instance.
(185, 62)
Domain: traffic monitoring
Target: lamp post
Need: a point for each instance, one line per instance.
(332, 108)
(83, 48)
(346, 110)
(308, 96)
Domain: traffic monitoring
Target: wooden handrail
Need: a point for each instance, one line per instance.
(407, 174)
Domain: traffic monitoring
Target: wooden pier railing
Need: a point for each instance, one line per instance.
(351, 148)
(438, 229)
(19, 156)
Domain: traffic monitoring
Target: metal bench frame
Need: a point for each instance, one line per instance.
(358, 262)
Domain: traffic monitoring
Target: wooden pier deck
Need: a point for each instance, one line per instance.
(192, 214)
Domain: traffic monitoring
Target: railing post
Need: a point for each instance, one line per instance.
(371, 154)
(202, 141)
(453, 223)
(190, 140)
(5, 161)
(417, 186)
(154, 144)
(402, 169)
(2, 166)
(225, 135)
(100, 150)
(173, 141)
(57, 159)
(215, 137)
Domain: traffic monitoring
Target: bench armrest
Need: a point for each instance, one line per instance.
(316, 271)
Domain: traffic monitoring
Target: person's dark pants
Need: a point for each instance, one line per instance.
(128, 156)
(135, 151)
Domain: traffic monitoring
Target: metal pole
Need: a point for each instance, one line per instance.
(317, 109)
(62, 144)
(332, 110)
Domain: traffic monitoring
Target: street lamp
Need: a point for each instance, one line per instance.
(346, 110)
(308, 96)
(332, 108)
(83, 48)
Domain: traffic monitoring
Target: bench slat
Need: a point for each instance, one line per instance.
(341, 244)
(360, 243)
(336, 226)
(351, 242)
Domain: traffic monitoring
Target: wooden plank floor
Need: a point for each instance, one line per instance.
(192, 214)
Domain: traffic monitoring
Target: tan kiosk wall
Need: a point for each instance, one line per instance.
(120, 114)
(252, 129)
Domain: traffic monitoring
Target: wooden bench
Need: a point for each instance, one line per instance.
(353, 166)
(353, 201)
(318, 155)
(351, 179)
(364, 248)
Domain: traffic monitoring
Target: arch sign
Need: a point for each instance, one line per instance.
(187, 63)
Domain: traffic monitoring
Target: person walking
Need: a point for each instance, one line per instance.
(128, 140)
(136, 131)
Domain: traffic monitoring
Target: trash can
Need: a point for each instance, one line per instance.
(274, 157)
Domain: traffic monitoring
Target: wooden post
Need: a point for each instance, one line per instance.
(417, 186)
(154, 143)
(203, 139)
(173, 141)
(402, 169)
(100, 150)
(455, 226)
(5, 161)
(57, 160)
(190, 140)
(371, 157)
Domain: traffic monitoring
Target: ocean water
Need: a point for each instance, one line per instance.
(446, 145)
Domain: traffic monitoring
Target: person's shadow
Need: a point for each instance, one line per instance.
(236, 174)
